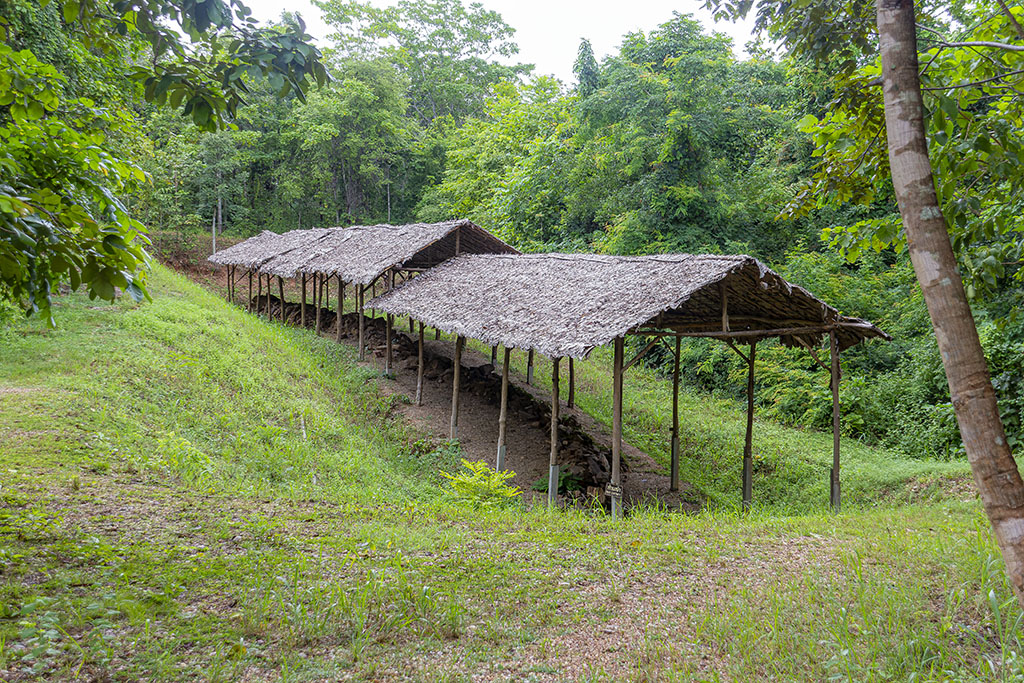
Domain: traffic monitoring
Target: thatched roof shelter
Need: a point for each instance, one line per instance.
(361, 253)
(565, 305)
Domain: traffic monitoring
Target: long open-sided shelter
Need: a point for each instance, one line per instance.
(359, 255)
(566, 305)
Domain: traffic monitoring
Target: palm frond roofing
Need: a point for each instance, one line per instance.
(569, 304)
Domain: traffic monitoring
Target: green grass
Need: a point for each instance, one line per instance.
(189, 493)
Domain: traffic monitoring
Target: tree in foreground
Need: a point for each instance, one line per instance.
(850, 34)
(66, 155)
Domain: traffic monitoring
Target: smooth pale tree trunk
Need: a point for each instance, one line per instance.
(974, 400)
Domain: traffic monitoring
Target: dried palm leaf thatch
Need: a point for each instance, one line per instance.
(569, 304)
(361, 253)
(256, 251)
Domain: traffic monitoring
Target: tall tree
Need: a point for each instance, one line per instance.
(449, 52)
(811, 31)
(974, 399)
(585, 69)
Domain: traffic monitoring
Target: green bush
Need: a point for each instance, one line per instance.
(481, 486)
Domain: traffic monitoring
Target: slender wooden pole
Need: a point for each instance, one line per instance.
(269, 296)
(259, 292)
(302, 313)
(318, 297)
(411, 325)
(437, 334)
(458, 238)
(456, 382)
(499, 464)
(674, 482)
(494, 355)
(280, 291)
(387, 343)
(227, 274)
(341, 310)
(616, 483)
(360, 300)
(553, 460)
(249, 304)
(748, 444)
(835, 493)
(572, 383)
(419, 370)
(529, 367)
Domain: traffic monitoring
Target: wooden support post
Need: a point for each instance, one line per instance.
(499, 464)
(494, 355)
(674, 467)
(615, 487)
(458, 239)
(360, 300)
(341, 310)
(419, 370)
(411, 326)
(280, 291)
(835, 495)
(373, 295)
(259, 292)
(572, 384)
(529, 367)
(748, 444)
(318, 297)
(456, 382)
(302, 306)
(389, 319)
(248, 304)
(270, 307)
(553, 461)
(437, 334)
(227, 273)
(725, 306)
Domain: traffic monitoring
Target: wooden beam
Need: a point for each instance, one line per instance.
(737, 334)
(248, 304)
(572, 383)
(499, 463)
(227, 276)
(616, 482)
(553, 460)
(748, 452)
(643, 352)
(725, 306)
(280, 290)
(360, 301)
(259, 292)
(302, 306)
(458, 238)
(341, 310)
(419, 370)
(456, 382)
(835, 495)
(318, 300)
(674, 443)
(388, 322)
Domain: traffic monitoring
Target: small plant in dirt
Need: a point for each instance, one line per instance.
(479, 486)
(567, 481)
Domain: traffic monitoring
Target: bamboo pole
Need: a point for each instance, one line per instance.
(302, 314)
(529, 367)
(341, 310)
(615, 489)
(674, 482)
(227, 273)
(248, 304)
(387, 343)
(553, 461)
(572, 383)
(280, 291)
(456, 382)
(419, 370)
(835, 492)
(748, 459)
(499, 464)
(360, 300)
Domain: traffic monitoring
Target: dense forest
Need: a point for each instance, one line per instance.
(670, 144)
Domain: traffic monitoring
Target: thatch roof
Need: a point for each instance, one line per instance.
(361, 253)
(569, 304)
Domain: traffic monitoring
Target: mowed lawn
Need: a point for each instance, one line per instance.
(191, 493)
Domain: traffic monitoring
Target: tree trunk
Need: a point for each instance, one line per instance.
(974, 400)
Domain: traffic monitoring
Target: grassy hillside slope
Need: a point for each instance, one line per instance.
(188, 493)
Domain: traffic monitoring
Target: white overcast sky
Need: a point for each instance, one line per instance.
(549, 31)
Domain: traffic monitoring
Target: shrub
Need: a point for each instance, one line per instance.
(481, 487)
